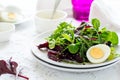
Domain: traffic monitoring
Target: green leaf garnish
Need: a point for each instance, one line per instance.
(73, 48)
(113, 37)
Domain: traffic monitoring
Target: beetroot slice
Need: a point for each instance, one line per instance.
(10, 68)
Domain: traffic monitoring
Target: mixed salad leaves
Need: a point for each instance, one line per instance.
(70, 43)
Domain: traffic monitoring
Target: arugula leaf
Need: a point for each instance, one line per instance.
(67, 37)
(113, 54)
(96, 23)
(51, 44)
(64, 31)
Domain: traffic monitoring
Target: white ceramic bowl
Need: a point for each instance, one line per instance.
(43, 21)
(6, 30)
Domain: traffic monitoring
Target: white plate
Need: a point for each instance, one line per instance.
(74, 69)
(43, 55)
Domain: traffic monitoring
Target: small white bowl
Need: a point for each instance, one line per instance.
(43, 21)
(6, 30)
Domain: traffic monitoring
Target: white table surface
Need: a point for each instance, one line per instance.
(19, 48)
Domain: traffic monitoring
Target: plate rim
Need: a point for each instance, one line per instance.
(75, 70)
(71, 67)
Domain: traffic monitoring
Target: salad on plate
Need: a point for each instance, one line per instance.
(88, 43)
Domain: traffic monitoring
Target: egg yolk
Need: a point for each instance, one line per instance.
(11, 15)
(96, 53)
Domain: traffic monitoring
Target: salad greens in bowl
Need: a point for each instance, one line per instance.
(88, 43)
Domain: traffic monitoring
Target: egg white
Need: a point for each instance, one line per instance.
(104, 48)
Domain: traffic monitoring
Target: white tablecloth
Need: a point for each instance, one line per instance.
(19, 48)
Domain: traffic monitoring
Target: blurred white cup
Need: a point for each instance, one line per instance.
(43, 21)
(6, 30)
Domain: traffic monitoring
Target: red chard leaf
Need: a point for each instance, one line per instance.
(10, 67)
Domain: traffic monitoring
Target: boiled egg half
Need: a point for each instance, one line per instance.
(98, 53)
(10, 16)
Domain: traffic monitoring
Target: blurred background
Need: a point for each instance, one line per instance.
(30, 6)
(49, 4)
(107, 8)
